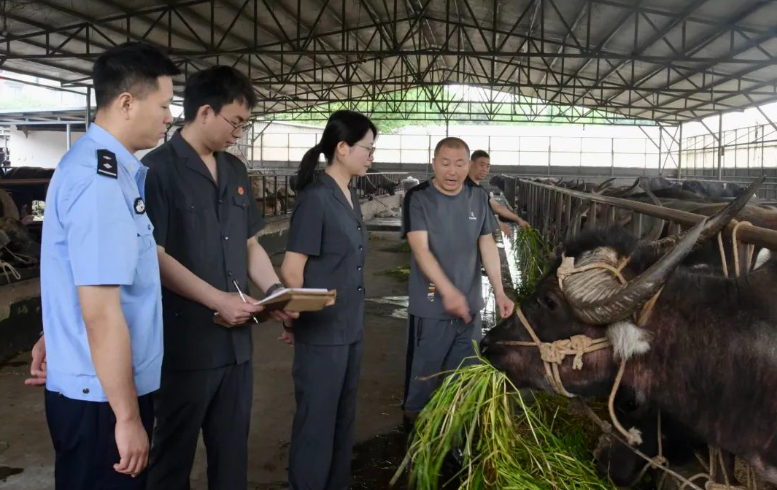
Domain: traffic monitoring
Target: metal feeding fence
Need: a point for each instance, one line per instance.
(275, 194)
(556, 212)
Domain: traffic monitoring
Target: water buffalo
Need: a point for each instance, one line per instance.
(712, 190)
(704, 354)
(679, 445)
(408, 183)
(370, 184)
(624, 467)
(374, 182)
(25, 194)
(20, 248)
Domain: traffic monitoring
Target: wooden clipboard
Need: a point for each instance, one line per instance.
(299, 301)
(290, 300)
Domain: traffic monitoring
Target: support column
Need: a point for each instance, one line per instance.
(680, 154)
(720, 147)
(660, 149)
(67, 135)
(88, 107)
(252, 145)
(612, 156)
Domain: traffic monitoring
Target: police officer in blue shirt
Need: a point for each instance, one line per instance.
(100, 284)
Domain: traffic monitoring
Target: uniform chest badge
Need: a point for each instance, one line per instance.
(240, 190)
(140, 206)
(472, 216)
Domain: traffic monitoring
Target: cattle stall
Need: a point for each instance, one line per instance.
(549, 208)
(275, 192)
(20, 304)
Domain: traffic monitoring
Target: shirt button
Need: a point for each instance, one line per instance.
(221, 201)
(359, 228)
(85, 391)
(361, 248)
(358, 267)
(191, 207)
(226, 237)
(229, 273)
(149, 227)
(359, 288)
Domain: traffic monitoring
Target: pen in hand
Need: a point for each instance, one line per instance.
(243, 298)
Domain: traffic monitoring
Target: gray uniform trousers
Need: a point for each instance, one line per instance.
(218, 401)
(435, 346)
(326, 379)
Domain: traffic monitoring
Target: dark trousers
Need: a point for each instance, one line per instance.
(436, 346)
(326, 379)
(218, 401)
(84, 440)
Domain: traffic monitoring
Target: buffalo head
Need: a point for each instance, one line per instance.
(603, 280)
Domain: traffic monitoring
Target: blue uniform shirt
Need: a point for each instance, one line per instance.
(96, 232)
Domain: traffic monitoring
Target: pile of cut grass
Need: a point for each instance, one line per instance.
(532, 253)
(506, 442)
(400, 248)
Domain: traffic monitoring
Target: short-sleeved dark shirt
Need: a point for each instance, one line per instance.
(332, 234)
(454, 224)
(205, 226)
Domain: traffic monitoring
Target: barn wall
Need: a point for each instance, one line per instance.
(38, 148)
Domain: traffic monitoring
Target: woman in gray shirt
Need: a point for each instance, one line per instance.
(326, 249)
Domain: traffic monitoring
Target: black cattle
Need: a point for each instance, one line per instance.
(21, 248)
(704, 355)
(616, 461)
(376, 181)
(655, 184)
(23, 195)
(712, 190)
(370, 184)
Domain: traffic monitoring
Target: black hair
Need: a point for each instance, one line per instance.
(347, 126)
(130, 67)
(479, 154)
(216, 86)
(451, 142)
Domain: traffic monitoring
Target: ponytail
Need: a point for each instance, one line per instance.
(307, 167)
(346, 126)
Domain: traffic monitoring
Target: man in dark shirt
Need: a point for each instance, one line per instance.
(449, 226)
(479, 166)
(205, 223)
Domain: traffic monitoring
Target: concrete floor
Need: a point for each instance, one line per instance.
(26, 455)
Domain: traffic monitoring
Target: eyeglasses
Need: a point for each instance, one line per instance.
(370, 149)
(245, 127)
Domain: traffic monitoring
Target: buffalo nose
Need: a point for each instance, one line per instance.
(485, 344)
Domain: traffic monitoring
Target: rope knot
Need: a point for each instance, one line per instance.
(566, 269)
(634, 437)
(553, 352)
(579, 344)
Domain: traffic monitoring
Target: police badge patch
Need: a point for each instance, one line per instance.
(140, 206)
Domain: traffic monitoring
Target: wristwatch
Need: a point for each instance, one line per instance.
(273, 288)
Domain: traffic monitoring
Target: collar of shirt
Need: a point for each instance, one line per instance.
(352, 207)
(328, 181)
(194, 161)
(182, 147)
